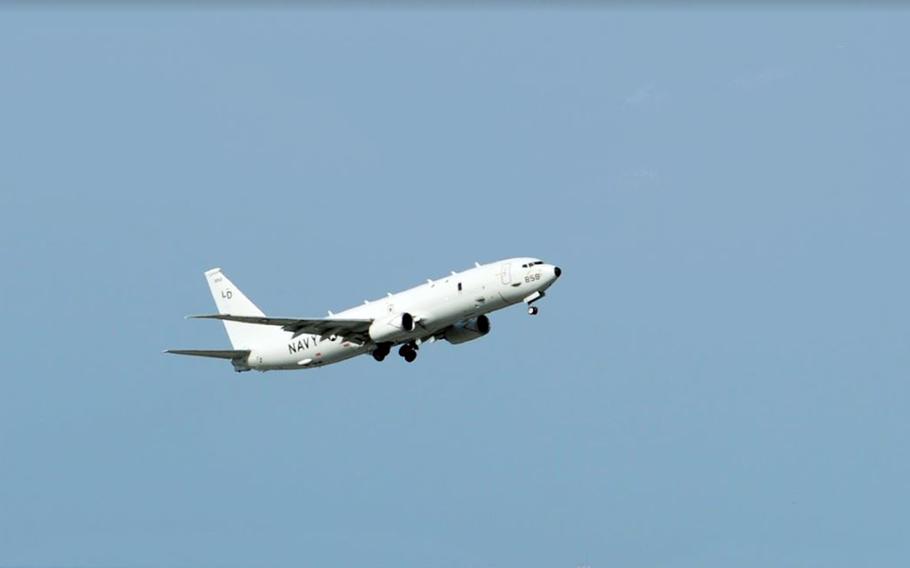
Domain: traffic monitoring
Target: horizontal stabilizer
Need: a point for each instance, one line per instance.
(217, 354)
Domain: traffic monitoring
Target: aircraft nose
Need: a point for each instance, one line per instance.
(557, 271)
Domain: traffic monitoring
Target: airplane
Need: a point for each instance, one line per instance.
(453, 308)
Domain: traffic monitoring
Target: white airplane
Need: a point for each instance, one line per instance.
(453, 308)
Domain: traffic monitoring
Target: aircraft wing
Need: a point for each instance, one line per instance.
(357, 329)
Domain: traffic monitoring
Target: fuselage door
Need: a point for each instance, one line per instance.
(506, 272)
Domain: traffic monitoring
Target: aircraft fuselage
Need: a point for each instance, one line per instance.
(437, 304)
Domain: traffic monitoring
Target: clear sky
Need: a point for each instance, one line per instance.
(720, 377)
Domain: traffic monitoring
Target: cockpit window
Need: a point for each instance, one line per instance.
(530, 264)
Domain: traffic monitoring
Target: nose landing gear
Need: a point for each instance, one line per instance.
(533, 310)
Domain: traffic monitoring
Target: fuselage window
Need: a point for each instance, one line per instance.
(459, 286)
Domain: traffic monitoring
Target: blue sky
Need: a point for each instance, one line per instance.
(719, 378)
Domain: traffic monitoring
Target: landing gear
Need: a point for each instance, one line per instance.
(381, 351)
(409, 352)
(533, 310)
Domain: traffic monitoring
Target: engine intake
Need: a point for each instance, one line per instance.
(407, 321)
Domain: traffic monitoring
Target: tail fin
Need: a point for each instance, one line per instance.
(230, 300)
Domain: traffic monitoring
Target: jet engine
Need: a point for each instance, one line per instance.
(467, 330)
(392, 329)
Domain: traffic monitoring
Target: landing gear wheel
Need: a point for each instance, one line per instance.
(533, 310)
(381, 351)
(408, 352)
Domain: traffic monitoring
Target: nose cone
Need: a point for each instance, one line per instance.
(557, 271)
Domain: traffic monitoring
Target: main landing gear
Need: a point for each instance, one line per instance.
(409, 352)
(381, 351)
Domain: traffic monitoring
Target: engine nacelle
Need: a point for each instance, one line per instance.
(392, 329)
(467, 330)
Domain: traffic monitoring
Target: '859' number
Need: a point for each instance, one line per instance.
(532, 277)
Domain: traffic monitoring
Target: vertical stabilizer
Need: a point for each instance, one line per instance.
(230, 300)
